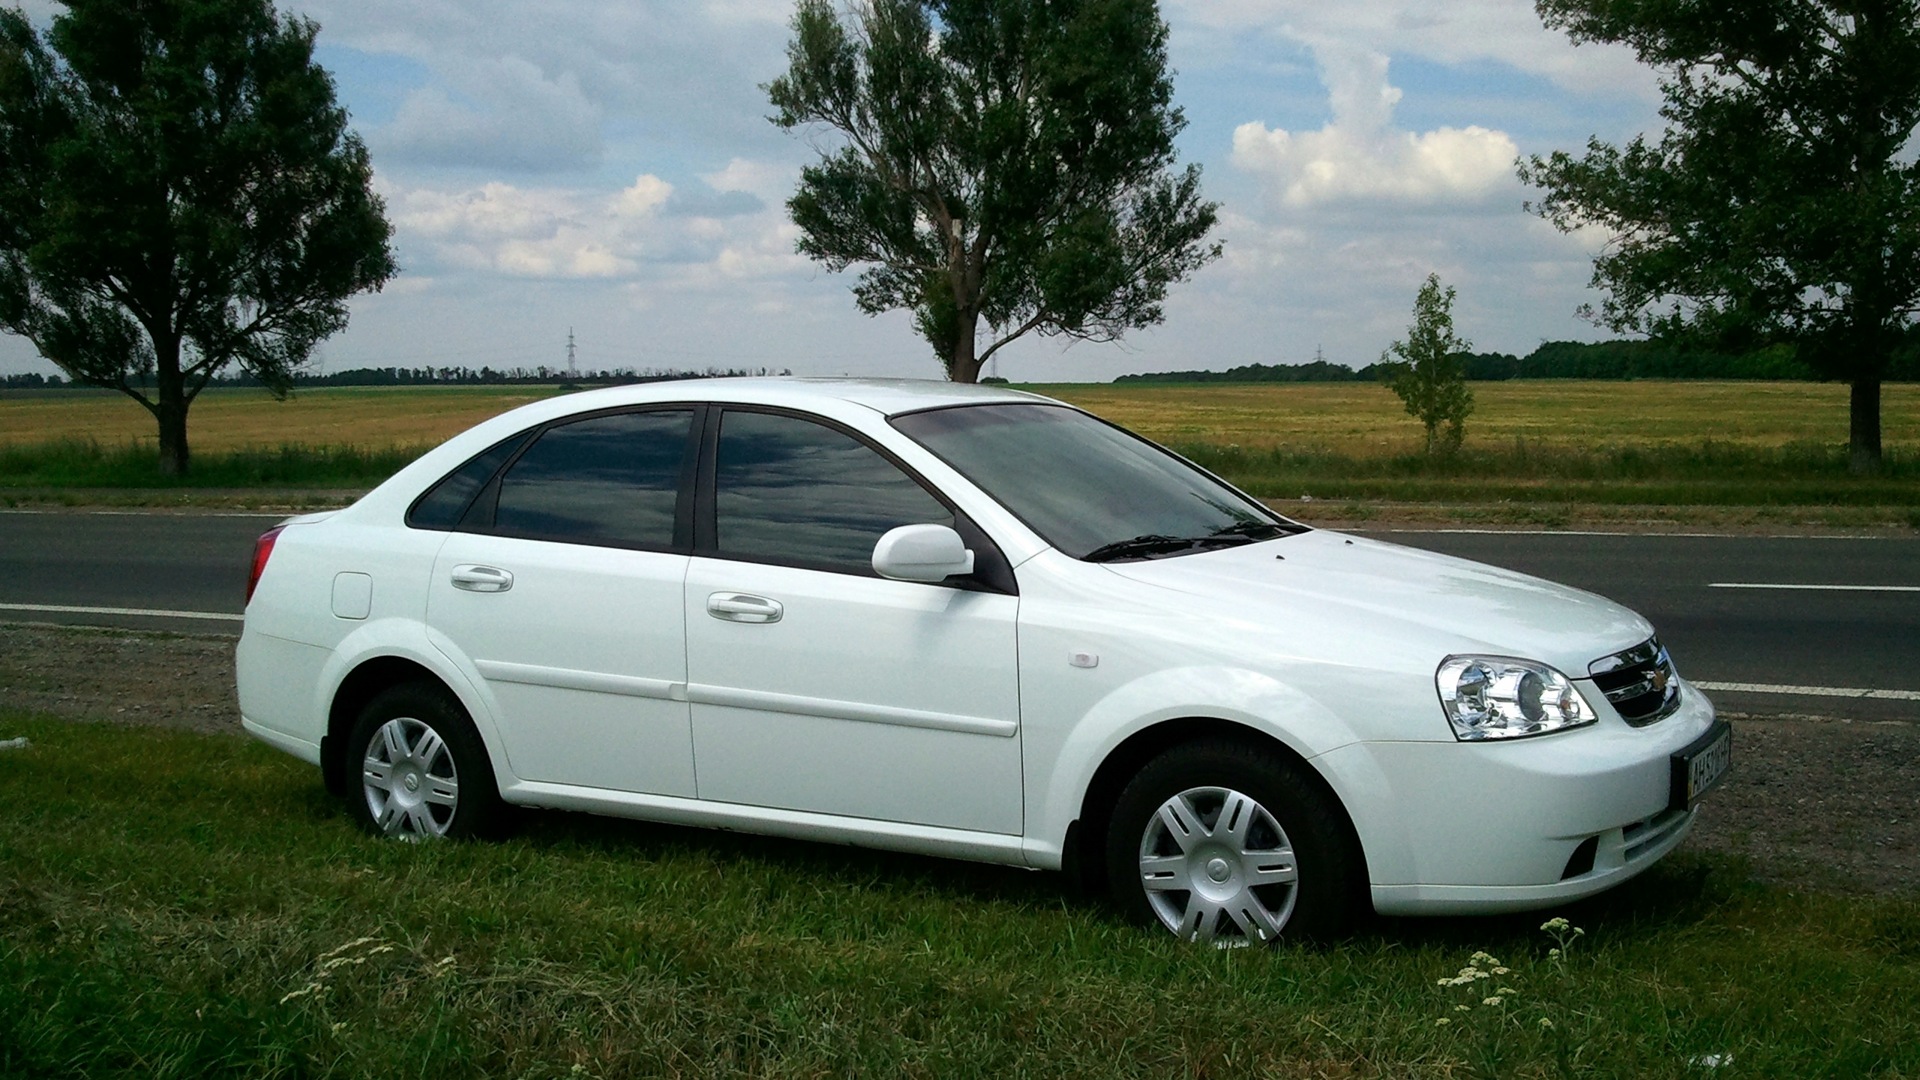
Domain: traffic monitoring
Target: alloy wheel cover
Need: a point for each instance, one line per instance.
(1217, 867)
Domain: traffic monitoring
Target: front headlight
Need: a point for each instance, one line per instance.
(1500, 697)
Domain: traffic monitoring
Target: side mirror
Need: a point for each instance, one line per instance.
(926, 553)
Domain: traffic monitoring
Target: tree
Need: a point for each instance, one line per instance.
(179, 192)
(1430, 374)
(1781, 205)
(1002, 161)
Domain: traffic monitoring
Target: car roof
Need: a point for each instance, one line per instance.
(889, 397)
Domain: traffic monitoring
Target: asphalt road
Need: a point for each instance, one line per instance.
(1839, 636)
(1859, 631)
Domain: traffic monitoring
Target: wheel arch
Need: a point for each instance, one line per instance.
(1083, 856)
(367, 678)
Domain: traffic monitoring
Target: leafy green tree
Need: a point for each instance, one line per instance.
(1429, 371)
(1781, 204)
(1001, 161)
(179, 191)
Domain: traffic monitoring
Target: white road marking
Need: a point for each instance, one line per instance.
(262, 514)
(1811, 691)
(152, 613)
(194, 513)
(1812, 588)
(1362, 527)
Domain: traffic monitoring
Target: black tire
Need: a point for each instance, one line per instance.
(439, 780)
(1236, 867)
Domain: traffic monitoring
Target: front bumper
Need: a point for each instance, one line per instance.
(1454, 828)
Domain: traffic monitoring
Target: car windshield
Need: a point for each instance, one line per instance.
(1088, 488)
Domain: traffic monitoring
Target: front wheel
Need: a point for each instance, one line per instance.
(1228, 844)
(422, 769)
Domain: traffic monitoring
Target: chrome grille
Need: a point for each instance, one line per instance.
(1640, 682)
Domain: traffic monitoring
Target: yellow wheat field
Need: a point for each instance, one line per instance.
(1359, 419)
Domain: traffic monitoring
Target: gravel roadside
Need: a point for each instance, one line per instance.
(1813, 802)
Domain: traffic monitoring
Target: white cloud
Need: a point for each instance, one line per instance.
(768, 179)
(688, 70)
(1459, 32)
(508, 115)
(646, 195)
(499, 229)
(503, 229)
(1359, 155)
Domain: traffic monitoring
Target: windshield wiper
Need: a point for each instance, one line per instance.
(1256, 530)
(1140, 547)
(1152, 544)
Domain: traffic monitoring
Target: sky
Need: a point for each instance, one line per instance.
(606, 167)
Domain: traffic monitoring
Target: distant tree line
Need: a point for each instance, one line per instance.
(1565, 360)
(441, 376)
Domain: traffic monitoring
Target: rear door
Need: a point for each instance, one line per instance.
(563, 588)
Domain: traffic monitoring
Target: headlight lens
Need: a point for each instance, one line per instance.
(1500, 697)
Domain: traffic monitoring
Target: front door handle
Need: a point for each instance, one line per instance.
(481, 578)
(741, 607)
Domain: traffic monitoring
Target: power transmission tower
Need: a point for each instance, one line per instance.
(573, 369)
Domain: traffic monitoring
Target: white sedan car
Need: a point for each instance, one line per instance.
(971, 622)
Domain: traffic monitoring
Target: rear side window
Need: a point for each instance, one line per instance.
(609, 480)
(444, 504)
(788, 490)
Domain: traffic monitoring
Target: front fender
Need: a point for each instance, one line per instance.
(1259, 702)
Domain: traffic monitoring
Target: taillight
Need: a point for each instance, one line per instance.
(262, 551)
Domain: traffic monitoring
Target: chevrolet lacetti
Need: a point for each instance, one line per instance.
(971, 622)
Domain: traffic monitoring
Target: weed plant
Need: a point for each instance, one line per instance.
(177, 905)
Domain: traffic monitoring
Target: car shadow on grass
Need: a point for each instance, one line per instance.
(1685, 889)
(867, 868)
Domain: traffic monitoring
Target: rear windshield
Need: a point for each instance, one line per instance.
(1090, 489)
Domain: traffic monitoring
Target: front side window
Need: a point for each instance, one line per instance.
(609, 480)
(788, 490)
(1088, 488)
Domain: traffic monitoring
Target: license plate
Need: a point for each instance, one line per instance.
(1700, 767)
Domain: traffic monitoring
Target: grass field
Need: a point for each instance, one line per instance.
(1534, 443)
(1350, 419)
(227, 420)
(176, 905)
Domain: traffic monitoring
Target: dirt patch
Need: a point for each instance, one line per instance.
(120, 676)
(1821, 803)
(1813, 803)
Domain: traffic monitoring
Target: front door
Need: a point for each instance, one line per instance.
(817, 685)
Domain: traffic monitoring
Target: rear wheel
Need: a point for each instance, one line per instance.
(421, 768)
(1228, 844)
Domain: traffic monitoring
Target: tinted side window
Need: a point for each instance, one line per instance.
(792, 491)
(442, 505)
(611, 480)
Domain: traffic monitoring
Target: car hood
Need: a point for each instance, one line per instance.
(1317, 581)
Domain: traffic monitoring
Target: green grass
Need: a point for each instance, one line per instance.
(86, 463)
(1705, 473)
(179, 906)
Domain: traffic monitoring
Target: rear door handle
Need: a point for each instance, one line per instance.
(742, 607)
(481, 578)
